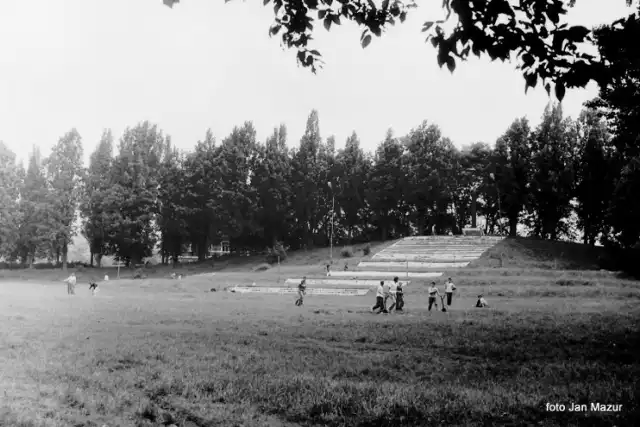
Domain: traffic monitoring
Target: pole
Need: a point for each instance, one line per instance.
(118, 270)
(278, 269)
(333, 209)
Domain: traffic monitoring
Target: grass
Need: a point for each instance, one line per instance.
(161, 352)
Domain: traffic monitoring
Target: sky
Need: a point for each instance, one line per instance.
(98, 64)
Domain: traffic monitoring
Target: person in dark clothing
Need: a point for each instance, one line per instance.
(399, 295)
(302, 290)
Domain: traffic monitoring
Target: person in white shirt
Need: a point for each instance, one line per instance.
(380, 299)
(433, 294)
(393, 290)
(481, 303)
(71, 284)
(449, 287)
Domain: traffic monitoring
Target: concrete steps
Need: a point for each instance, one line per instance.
(413, 265)
(383, 274)
(293, 291)
(423, 258)
(365, 283)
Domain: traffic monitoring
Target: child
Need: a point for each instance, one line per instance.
(71, 284)
(385, 295)
(481, 303)
(399, 295)
(346, 267)
(328, 270)
(448, 290)
(302, 289)
(379, 299)
(433, 293)
(93, 287)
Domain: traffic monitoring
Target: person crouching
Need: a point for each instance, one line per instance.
(481, 303)
(93, 287)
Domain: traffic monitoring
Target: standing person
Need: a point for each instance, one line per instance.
(328, 270)
(393, 291)
(385, 292)
(433, 293)
(449, 287)
(71, 284)
(399, 295)
(379, 298)
(302, 289)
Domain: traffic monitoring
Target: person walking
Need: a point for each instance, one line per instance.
(399, 295)
(393, 293)
(71, 284)
(385, 292)
(433, 294)
(302, 289)
(449, 287)
(379, 299)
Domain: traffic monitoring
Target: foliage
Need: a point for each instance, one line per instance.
(547, 49)
(346, 252)
(10, 185)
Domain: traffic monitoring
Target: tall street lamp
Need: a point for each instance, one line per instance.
(333, 207)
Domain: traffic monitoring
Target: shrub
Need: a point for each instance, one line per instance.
(278, 251)
(367, 249)
(346, 252)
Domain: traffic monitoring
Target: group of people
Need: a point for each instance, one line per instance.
(389, 297)
(71, 282)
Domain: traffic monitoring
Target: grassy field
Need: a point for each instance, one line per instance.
(160, 352)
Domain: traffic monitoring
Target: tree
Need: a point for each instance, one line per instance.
(35, 213)
(272, 181)
(386, 189)
(133, 197)
(352, 169)
(97, 219)
(594, 178)
(65, 174)
(10, 184)
(309, 176)
(512, 170)
(172, 218)
(531, 30)
(552, 183)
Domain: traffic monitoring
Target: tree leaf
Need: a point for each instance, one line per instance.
(321, 14)
(327, 23)
(451, 64)
(560, 90)
(385, 5)
(427, 26)
(366, 40)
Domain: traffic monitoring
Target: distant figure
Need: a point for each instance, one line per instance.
(106, 277)
(399, 295)
(302, 289)
(481, 303)
(93, 287)
(449, 287)
(328, 270)
(379, 299)
(433, 230)
(71, 284)
(346, 267)
(433, 293)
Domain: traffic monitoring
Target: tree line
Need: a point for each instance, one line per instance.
(564, 179)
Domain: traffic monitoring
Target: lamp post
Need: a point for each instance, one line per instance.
(493, 177)
(333, 207)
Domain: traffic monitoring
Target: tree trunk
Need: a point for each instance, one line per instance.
(513, 225)
(91, 259)
(65, 251)
(384, 233)
(31, 260)
(473, 212)
(57, 256)
(99, 260)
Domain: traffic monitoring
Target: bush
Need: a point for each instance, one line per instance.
(367, 249)
(277, 252)
(346, 252)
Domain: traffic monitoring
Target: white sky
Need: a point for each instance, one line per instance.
(95, 64)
